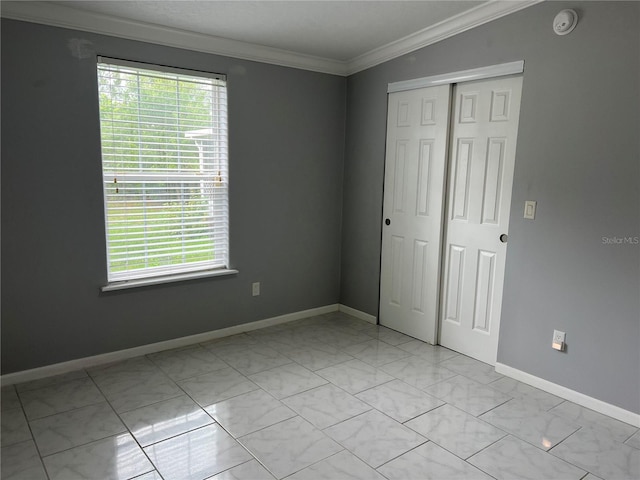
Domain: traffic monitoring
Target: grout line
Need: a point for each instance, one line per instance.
(128, 430)
(33, 438)
(550, 452)
(403, 453)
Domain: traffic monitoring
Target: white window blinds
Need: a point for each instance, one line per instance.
(165, 173)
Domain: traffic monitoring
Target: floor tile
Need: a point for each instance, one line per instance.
(292, 342)
(467, 395)
(342, 318)
(9, 398)
(21, 462)
(197, 454)
(115, 458)
(431, 462)
(431, 353)
(53, 380)
(526, 393)
(325, 347)
(398, 400)
(250, 470)
(514, 459)
(165, 419)
(256, 359)
(471, 368)
(376, 353)
(217, 386)
(501, 425)
(287, 380)
(314, 358)
(249, 412)
(342, 338)
(149, 476)
(354, 376)
(60, 398)
(417, 371)
(187, 362)
(342, 466)
(588, 418)
(341, 327)
(66, 430)
(455, 430)
(598, 452)
(292, 336)
(389, 336)
(136, 366)
(289, 446)
(127, 392)
(285, 345)
(326, 405)
(279, 327)
(13, 427)
(524, 420)
(634, 440)
(374, 437)
(241, 339)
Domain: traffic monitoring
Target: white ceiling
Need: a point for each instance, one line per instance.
(339, 37)
(338, 30)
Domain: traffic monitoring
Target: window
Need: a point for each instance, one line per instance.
(164, 166)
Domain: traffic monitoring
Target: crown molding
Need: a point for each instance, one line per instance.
(66, 17)
(462, 22)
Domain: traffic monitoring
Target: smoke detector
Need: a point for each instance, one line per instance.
(565, 22)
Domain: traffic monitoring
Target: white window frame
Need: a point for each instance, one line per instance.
(215, 218)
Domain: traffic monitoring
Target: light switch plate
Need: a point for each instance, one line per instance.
(530, 209)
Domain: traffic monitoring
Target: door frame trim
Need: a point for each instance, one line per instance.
(490, 71)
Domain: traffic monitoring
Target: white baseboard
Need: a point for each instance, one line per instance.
(358, 314)
(86, 362)
(571, 395)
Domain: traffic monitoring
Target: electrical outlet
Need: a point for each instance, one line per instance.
(558, 340)
(255, 289)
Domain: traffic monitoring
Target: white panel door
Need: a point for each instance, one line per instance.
(482, 156)
(415, 166)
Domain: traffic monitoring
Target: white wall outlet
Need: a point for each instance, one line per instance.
(530, 209)
(255, 289)
(558, 340)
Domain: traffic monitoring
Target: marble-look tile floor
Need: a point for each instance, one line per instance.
(326, 397)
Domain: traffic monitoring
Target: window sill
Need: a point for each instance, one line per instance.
(144, 282)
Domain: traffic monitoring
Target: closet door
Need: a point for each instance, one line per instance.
(482, 156)
(415, 166)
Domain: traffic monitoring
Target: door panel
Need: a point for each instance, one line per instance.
(483, 141)
(455, 274)
(415, 165)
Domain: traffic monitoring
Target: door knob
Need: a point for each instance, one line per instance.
(504, 237)
(387, 222)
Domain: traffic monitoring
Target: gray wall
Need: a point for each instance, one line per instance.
(286, 148)
(578, 155)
